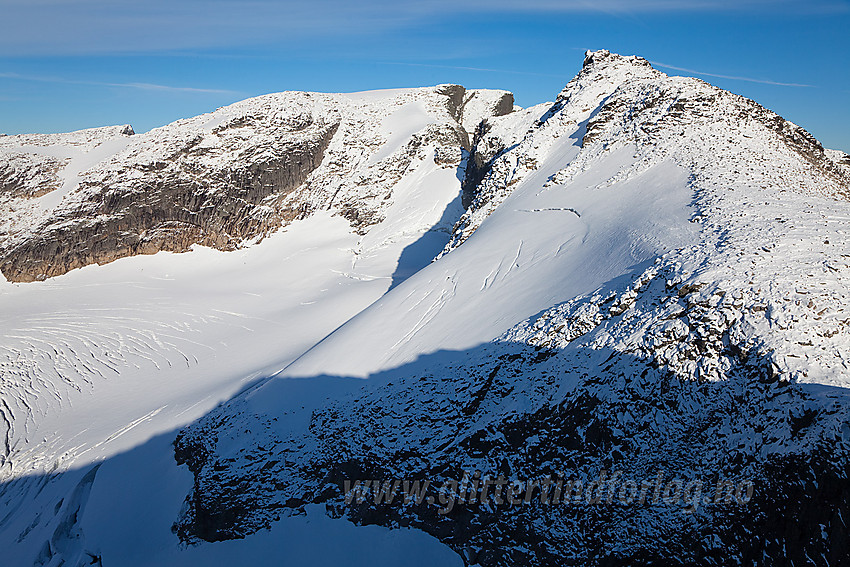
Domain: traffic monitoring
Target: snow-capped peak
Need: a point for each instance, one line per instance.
(605, 57)
(651, 273)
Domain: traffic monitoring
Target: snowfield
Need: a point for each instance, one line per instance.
(650, 271)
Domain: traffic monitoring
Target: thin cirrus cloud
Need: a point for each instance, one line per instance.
(730, 77)
(655, 63)
(138, 86)
(57, 27)
(465, 68)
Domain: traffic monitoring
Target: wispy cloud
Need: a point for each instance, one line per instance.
(139, 86)
(168, 88)
(463, 68)
(730, 77)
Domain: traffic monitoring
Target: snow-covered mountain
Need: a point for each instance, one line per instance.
(220, 179)
(646, 278)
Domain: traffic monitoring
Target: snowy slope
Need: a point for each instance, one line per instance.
(627, 165)
(150, 320)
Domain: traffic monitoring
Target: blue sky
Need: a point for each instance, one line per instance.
(70, 64)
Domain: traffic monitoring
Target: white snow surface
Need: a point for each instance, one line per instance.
(540, 247)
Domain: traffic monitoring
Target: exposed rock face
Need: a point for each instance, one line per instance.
(632, 418)
(216, 180)
(172, 204)
(482, 154)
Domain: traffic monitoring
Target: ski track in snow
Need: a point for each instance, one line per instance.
(430, 312)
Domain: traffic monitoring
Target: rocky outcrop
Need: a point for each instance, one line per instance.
(481, 153)
(171, 204)
(625, 421)
(28, 176)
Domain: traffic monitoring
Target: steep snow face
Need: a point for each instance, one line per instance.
(531, 135)
(541, 247)
(693, 250)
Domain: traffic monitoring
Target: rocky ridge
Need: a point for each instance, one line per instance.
(622, 102)
(218, 180)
